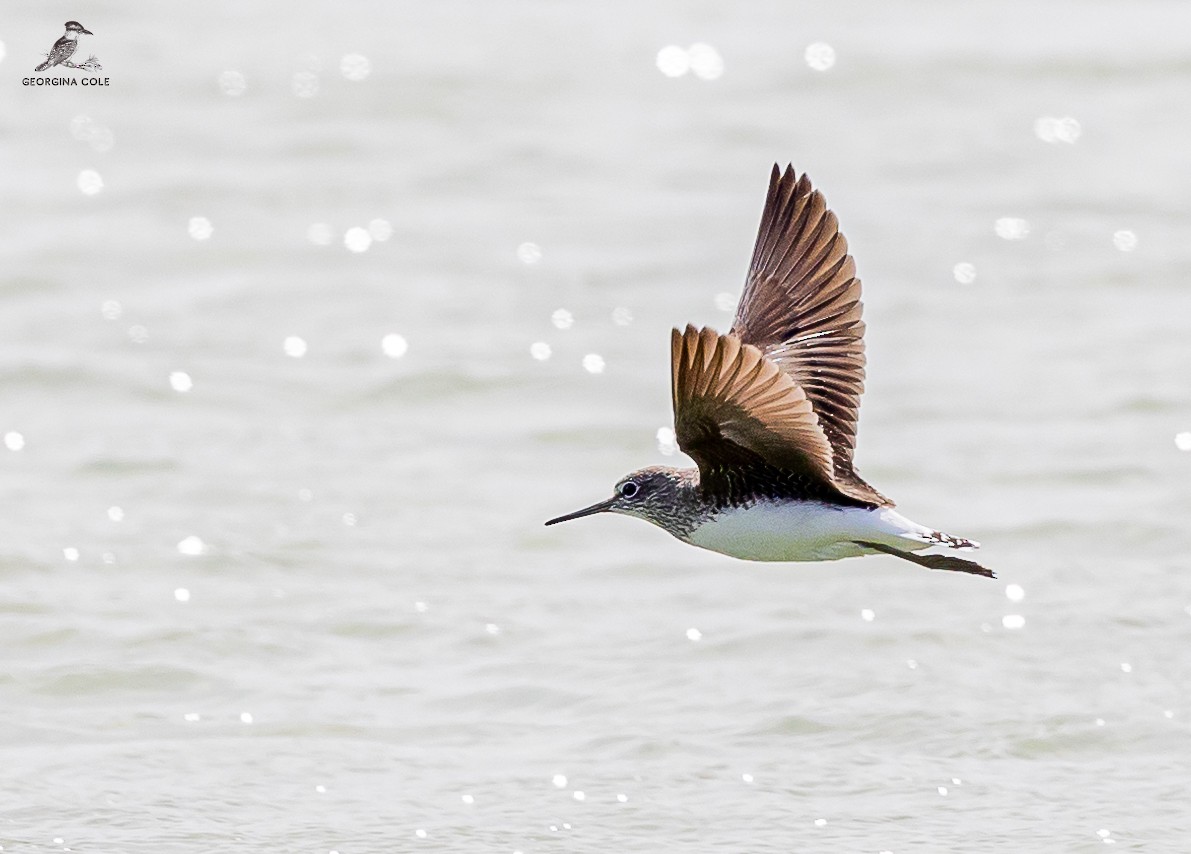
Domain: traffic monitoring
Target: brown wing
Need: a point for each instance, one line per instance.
(750, 428)
(801, 307)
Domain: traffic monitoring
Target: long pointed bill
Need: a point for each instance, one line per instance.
(586, 511)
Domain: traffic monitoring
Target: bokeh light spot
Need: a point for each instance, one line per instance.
(667, 442)
(705, 61)
(380, 229)
(90, 182)
(233, 83)
(294, 346)
(673, 61)
(964, 273)
(820, 56)
(394, 346)
(1011, 228)
(191, 545)
(200, 228)
(357, 239)
(1124, 240)
(355, 67)
(1057, 129)
(529, 253)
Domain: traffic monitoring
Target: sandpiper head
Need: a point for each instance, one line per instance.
(76, 27)
(654, 494)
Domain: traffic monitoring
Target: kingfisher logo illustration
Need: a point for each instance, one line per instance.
(65, 47)
(61, 56)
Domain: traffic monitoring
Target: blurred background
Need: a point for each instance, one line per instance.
(314, 313)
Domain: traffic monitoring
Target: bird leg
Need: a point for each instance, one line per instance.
(932, 561)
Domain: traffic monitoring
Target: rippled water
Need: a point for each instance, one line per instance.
(314, 315)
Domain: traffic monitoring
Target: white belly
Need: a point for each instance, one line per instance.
(805, 530)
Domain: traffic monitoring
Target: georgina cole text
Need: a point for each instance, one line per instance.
(66, 81)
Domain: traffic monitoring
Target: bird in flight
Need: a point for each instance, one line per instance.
(768, 413)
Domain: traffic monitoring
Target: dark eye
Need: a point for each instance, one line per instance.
(629, 489)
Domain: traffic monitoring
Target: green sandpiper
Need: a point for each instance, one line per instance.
(768, 413)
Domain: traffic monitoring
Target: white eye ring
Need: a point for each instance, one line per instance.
(629, 489)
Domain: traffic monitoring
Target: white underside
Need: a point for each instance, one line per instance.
(806, 530)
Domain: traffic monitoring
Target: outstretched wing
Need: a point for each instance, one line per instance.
(749, 426)
(801, 307)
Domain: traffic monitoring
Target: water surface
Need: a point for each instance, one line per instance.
(307, 604)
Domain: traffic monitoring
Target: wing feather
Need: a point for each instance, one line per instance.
(801, 308)
(749, 426)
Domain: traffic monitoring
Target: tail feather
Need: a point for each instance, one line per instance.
(43, 66)
(954, 564)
